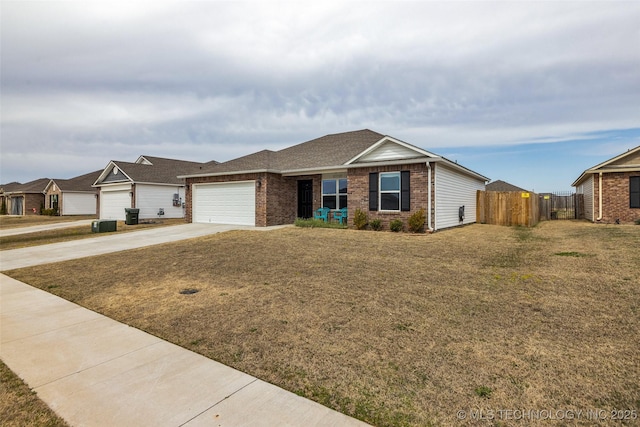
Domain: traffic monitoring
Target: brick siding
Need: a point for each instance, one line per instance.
(277, 196)
(47, 198)
(358, 193)
(615, 202)
(33, 201)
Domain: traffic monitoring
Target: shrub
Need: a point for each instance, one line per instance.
(638, 221)
(376, 224)
(396, 225)
(360, 219)
(49, 212)
(416, 221)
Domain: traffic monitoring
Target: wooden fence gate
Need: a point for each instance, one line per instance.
(561, 205)
(507, 208)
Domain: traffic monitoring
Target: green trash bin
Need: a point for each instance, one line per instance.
(132, 216)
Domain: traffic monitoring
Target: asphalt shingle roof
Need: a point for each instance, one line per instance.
(161, 171)
(503, 186)
(79, 183)
(326, 151)
(36, 186)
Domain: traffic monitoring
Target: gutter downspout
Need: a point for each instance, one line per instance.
(599, 197)
(429, 226)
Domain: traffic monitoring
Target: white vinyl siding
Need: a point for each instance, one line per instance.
(225, 203)
(78, 204)
(113, 201)
(389, 151)
(586, 188)
(454, 189)
(151, 198)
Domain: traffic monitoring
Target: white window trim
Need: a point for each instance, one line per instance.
(381, 192)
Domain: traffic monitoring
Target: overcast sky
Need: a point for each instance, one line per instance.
(528, 92)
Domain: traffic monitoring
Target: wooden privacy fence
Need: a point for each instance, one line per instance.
(507, 208)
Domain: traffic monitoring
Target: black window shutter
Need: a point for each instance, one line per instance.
(405, 190)
(373, 191)
(634, 192)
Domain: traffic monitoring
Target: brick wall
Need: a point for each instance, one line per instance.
(358, 193)
(276, 196)
(615, 202)
(33, 201)
(47, 198)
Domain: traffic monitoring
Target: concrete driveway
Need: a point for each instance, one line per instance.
(105, 243)
(44, 227)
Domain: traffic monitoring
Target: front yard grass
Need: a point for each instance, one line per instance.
(19, 406)
(394, 329)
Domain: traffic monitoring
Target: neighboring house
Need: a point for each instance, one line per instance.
(75, 196)
(612, 189)
(24, 199)
(504, 186)
(150, 185)
(381, 175)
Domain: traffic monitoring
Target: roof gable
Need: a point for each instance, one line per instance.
(629, 161)
(389, 149)
(76, 184)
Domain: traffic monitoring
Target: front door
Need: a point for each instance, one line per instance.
(305, 199)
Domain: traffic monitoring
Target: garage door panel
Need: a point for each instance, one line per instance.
(225, 203)
(113, 203)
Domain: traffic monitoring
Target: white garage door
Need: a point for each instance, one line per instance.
(113, 203)
(225, 203)
(78, 204)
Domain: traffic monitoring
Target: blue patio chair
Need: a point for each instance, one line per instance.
(322, 213)
(340, 215)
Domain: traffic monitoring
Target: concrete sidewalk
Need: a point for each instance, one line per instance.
(94, 371)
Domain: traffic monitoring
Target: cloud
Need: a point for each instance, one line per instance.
(220, 79)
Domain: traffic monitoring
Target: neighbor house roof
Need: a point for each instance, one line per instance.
(148, 169)
(82, 183)
(35, 186)
(625, 162)
(503, 186)
(330, 152)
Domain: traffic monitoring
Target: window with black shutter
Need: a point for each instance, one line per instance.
(373, 191)
(390, 191)
(634, 192)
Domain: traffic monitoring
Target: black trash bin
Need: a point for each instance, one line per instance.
(132, 216)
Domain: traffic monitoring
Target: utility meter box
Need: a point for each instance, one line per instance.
(104, 225)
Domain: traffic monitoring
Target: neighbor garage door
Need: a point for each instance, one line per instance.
(113, 203)
(225, 203)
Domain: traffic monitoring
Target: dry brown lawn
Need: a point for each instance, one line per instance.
(20, 407)
(394, 329)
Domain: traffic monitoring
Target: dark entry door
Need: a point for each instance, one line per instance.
(305, 199)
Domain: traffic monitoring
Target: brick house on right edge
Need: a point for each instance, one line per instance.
(612, 189)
